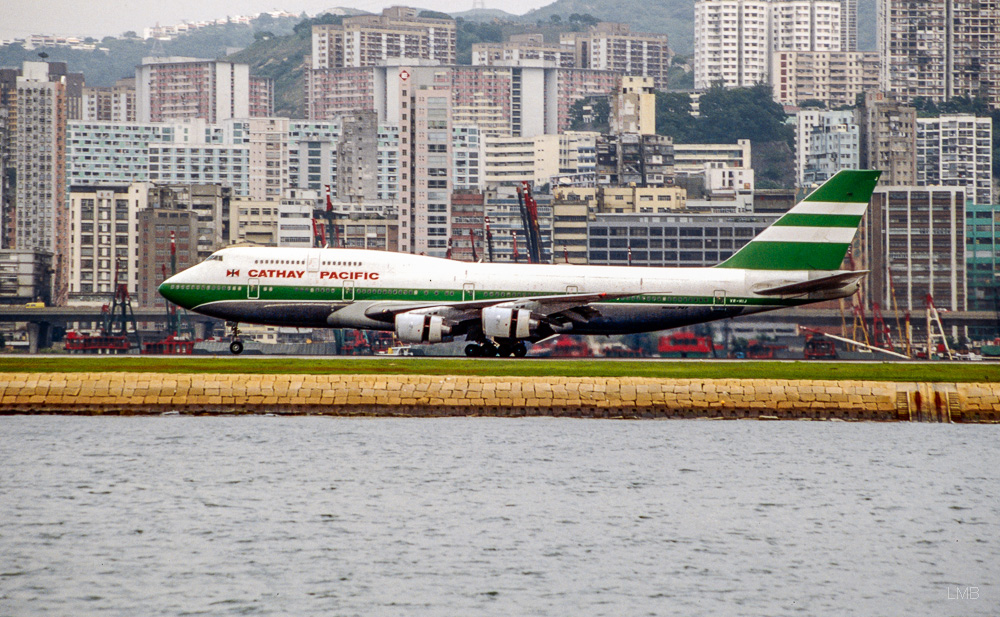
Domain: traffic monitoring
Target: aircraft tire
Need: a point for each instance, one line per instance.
(236, 347)
(520, 349)
(473, 351)
(489, 350)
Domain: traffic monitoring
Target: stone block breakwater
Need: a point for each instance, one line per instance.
(455, 395)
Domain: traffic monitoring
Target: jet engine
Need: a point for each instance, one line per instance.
(503, 322)
(421, 328)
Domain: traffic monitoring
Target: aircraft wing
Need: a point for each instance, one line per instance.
(834, 281)
(573, 305)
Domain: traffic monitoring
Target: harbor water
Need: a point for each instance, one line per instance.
(553, 517)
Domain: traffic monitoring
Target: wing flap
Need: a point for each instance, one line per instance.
(826, 283)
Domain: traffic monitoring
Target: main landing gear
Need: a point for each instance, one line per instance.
(489, 349)
(237, 345)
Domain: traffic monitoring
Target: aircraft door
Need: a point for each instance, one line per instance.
(348, 290)
(468, 292)
(572, 289)
(312, 262)
(719, 299)
(253, 289)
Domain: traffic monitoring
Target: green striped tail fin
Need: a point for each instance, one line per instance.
(816, 233)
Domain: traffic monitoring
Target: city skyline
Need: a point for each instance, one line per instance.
(89, 18)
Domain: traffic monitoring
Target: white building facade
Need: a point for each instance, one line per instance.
(956, 150)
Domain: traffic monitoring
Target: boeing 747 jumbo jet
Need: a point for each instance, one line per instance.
(498, 308)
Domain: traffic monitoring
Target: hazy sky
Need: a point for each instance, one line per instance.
(113, 17)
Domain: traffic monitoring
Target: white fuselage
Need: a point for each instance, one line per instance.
(343, 287)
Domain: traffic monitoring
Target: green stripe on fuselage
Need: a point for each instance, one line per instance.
(192, 296)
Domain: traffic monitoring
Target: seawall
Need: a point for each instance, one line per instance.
(437, 396)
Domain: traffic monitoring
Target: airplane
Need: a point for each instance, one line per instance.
(500, 307)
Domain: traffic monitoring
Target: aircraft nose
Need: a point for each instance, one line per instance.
(168, 289)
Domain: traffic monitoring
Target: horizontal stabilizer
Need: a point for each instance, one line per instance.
(825, 283)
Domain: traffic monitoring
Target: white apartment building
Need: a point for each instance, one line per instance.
(510, 160)
(468, 153)
(226, 165)
(730, 43)
(104, 240)
(693, 158)
(312, 154)
(805, 25)
(111, 153)
(389, 171)
(295, 214)
(268, 172)
(734, 38)
(956, 150)
(825, 143)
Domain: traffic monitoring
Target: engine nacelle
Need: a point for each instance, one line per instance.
(421, 328)
(503, 322)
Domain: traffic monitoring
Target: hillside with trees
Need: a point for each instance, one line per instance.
(726, 115)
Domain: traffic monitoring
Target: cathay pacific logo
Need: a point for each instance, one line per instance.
(232, 272)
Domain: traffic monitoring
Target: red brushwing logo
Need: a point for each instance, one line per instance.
(232, 272)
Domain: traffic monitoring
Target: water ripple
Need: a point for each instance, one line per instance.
(377, 516)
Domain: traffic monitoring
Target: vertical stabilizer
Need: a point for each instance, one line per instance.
(816, 233)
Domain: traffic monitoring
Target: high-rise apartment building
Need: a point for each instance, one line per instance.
(312, 154)
(513, 101)
(222, 164)
(849, 25)
(357, 157)
(730, 43)
(631, 159)
(157, 224)
(429, 164)
(39, 164)
(734, 39)
(940, 49)
(467, 157)
(525, 49)
(825, 143)
(805, 25)
(888, 139)
(110, 104)
(982, 238)
(365, 40)
(610, 46)
(103, 243)
(956, 150)
(510, 160)
(633, 107)
(913, 241)
(179, 88)
(834, 77)
(111, 153)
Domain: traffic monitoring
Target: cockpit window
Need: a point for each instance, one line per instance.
(216, 257)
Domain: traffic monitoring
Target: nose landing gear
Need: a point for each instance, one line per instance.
(237, 345)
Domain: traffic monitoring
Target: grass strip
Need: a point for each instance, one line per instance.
(663, 369)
